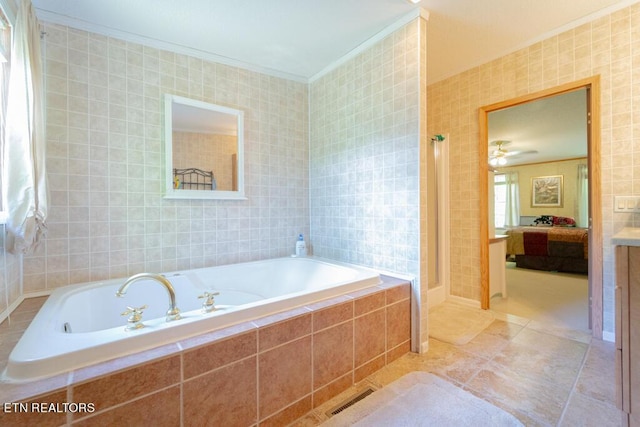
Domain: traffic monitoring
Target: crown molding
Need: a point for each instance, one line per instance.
(55, 18)
(416, 13)
(539, 38)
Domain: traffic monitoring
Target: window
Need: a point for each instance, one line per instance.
(500, 200)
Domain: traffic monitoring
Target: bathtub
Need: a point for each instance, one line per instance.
(80, 325)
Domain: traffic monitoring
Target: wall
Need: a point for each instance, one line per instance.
(105, 164)
(609, 47)
(365, 157)
(10, 289)
(569, 171)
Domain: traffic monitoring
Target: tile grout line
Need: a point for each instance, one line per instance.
(575, 383)
(492, 357)
(465, 386)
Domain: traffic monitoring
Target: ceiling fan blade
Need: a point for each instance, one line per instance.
(520, 153)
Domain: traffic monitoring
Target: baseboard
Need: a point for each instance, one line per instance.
(464, 301)
(436, 296)
(6, 313)
(37, 294)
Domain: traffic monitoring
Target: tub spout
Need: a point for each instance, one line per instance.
(173, 313)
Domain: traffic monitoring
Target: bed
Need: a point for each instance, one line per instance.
(550, 248)
(193, 179)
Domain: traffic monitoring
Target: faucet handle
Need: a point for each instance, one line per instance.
(209, 304)
(134, 321)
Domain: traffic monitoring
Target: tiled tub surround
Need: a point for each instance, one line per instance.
(270, 371)
(81, 325)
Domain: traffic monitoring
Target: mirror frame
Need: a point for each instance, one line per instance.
(172, 193)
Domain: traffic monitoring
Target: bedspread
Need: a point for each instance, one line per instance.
(569, 242)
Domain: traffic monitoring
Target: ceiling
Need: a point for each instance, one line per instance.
(554, 128)
(301, 40)
(200, 117)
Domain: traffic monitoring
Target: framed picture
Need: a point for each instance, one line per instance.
(546, 191)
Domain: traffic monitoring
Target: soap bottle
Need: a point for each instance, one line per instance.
(301, 246)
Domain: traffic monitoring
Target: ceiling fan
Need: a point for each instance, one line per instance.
(498, 157)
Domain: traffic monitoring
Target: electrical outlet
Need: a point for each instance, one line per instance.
(626, 204)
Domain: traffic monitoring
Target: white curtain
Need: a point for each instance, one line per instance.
(23, 174)
(582, 216)
(512, 205)
(4, 87)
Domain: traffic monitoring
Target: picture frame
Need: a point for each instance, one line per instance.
(547, 191)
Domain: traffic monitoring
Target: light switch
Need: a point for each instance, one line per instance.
(627, 204)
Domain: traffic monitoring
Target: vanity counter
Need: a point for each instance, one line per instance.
(628, 236)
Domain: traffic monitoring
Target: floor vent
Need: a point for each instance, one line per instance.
(350, 402)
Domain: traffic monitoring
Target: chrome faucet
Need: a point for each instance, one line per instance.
(173, 313)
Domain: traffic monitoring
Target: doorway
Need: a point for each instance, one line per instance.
(594, 221)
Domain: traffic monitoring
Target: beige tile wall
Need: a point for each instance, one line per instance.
(608, 46)
(10, 289)
(365, 156)
(104, 127)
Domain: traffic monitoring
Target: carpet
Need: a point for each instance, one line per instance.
(457, 324)
(422, 399)
(560, 300)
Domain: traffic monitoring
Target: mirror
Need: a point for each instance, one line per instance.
(204, 150)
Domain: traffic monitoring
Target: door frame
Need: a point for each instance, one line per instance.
(592, 86)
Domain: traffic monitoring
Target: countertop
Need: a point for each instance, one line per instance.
(497, 238)
(628, 236)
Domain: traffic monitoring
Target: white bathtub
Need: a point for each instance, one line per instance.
(80, 325)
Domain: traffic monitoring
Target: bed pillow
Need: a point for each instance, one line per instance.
(561, 221)
(543, 221)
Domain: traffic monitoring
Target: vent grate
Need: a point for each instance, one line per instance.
(350, 402)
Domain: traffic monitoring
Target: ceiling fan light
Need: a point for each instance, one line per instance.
(501, 161)
(493, 162)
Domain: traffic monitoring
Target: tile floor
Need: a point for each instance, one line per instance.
(543, 376)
